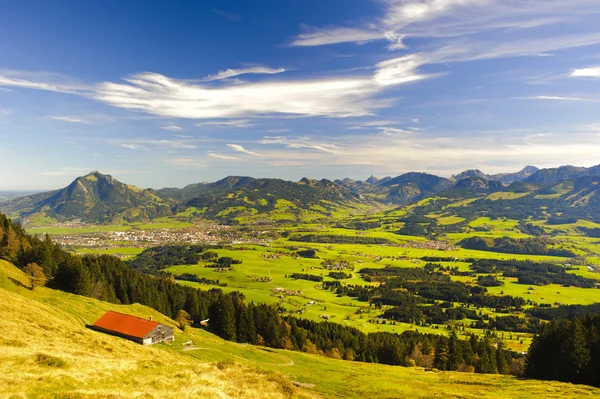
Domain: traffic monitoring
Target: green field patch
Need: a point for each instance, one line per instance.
(505, 195)
(447, 220)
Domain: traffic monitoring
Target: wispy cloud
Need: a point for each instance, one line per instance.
(390, 131)
(593, 72)
(41, 81)
(334, 97)
(277, 131)
(227, 15)
(171, 128)
(70, 119)
(230, 123)
(371, 124)
(300, 143)
(553, 98)
(229, 73)
(160, 144)
(405, 19)
(132, 146)
(239, 148)
(322, 36)
(223, 156)
(398, 153)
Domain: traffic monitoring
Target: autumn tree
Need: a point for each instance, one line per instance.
(36, 275)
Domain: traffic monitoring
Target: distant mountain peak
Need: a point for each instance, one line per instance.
(372, 180)
(95, 197)
(471, 173)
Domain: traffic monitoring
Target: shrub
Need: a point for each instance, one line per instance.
(49, 361)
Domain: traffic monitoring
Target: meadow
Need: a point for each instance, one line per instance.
(47, 351)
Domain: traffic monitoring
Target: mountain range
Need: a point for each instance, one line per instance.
(99, 198)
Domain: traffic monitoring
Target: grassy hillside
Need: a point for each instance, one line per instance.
(46, 351)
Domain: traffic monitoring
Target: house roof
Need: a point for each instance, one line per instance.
(125, 324)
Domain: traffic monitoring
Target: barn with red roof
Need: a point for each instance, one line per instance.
(137, 329)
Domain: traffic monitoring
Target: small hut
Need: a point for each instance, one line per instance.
(142, 331)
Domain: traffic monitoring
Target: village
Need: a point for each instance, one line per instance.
(212, 234)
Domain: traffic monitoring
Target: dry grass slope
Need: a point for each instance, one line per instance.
(47, 352)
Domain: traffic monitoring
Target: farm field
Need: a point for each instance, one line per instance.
(264, 275)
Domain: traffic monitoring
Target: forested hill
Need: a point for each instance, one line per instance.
(91, 198)
(235, 196)
(98, 198)
(403, 189)
(559, 203)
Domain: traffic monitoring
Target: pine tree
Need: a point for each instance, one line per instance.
(222, 318)
(577, 352)
(454, 352)
(441, 354)
(246, 330)
(501, 363)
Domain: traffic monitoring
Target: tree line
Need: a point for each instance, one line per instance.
(567, 350)
(525, 246)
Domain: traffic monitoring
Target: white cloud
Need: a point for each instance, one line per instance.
(222, 156)
(370, 124)
(234, 123)
(160, 144)
(239, 148)
(41, 81)
(389, 131)
(300, 143)
(335, 97)
(70, 119)
(586, 73)
(404, 19)
(171, 128)
(131, 146)
(400, 70)
(398, 153)
(320, 37)
(555, 98)
(229, 73)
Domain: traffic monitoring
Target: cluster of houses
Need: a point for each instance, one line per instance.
(282, 292)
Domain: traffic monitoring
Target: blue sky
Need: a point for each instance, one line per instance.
(163, 93)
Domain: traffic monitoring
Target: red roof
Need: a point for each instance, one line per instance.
(125, 324)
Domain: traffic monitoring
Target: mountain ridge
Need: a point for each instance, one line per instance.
(100, 198)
